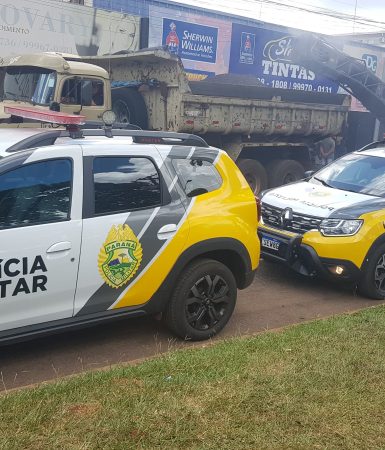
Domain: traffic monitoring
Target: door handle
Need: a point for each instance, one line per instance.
(59, 247)
(167, 231)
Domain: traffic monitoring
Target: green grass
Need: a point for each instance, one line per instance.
(319, 385)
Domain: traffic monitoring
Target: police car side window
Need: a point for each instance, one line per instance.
(36, 193)
(124, 184)
(197, 176)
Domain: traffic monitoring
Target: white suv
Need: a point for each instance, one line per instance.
(103, 225)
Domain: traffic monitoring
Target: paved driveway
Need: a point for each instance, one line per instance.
(277, 298)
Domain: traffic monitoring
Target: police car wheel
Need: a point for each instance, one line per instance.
(372, 283)
(203, 300)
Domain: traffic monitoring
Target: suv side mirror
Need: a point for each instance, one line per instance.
(309, 173)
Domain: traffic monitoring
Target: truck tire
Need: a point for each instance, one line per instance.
(129, 107)
(203, 300)
(254, 173)
(284, 171)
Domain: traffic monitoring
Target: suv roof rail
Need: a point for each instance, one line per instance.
(138, 137)
(98, 124)
(150, 137)
(374, 144)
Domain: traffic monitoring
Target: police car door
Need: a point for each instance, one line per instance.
(133, 228)
(40, 232)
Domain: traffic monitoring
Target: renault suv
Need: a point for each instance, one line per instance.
(333, 223)
(100, 225)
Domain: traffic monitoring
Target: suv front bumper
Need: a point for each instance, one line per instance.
(291, 251)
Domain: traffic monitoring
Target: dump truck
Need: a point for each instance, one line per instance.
(269, 132)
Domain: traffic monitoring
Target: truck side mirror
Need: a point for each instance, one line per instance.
(54, 106)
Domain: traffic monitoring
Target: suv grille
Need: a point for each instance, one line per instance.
(298, 224)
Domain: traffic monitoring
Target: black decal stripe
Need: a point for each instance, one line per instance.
(208, 154)
(159, 244)
(356, 210)
(179, 152)
(170, 179)
(106, 296)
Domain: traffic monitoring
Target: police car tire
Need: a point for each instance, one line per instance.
(133, 101)
(366, 285)
(176, 313)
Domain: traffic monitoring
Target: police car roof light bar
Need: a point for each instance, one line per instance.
(44, 115)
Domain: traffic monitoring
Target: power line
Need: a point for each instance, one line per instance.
(326, 13)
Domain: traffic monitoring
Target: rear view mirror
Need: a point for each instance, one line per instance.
(309, 173)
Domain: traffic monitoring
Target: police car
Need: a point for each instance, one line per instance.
(104, 224)
(333, 223)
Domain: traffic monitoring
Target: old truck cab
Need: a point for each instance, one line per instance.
(54, 81)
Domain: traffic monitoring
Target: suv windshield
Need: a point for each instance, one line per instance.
(356, 172)
(33, 84)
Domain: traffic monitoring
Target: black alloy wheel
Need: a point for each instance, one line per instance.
(207, 302)
(379, 275)
(203, 300)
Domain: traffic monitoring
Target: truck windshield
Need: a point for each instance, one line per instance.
(31, 84)
(355, 172)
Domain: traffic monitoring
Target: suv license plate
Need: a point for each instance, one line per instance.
(270, 243)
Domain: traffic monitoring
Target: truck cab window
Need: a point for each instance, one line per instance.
(83, 92)
(97, 93)
(32, 84)
(70, 93)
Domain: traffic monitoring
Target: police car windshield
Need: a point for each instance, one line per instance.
(355, 172)
(32, 84)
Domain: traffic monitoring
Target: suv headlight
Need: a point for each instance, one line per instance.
(338, 227)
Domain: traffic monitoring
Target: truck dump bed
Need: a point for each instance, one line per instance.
(217, 107)
(261, 111)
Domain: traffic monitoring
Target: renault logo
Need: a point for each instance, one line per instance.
(286, 217)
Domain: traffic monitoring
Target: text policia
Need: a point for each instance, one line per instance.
(15, 279)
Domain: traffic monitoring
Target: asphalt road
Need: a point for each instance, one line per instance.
(277, 298)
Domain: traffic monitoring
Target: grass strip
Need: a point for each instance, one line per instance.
(319, 385)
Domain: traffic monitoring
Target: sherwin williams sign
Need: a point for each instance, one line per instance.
(201, 41)
(266, 54)
(190, 40)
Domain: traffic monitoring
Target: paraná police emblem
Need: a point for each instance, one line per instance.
(120, 256)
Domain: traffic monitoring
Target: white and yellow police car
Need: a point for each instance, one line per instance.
(333, 223)
(101, 225)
